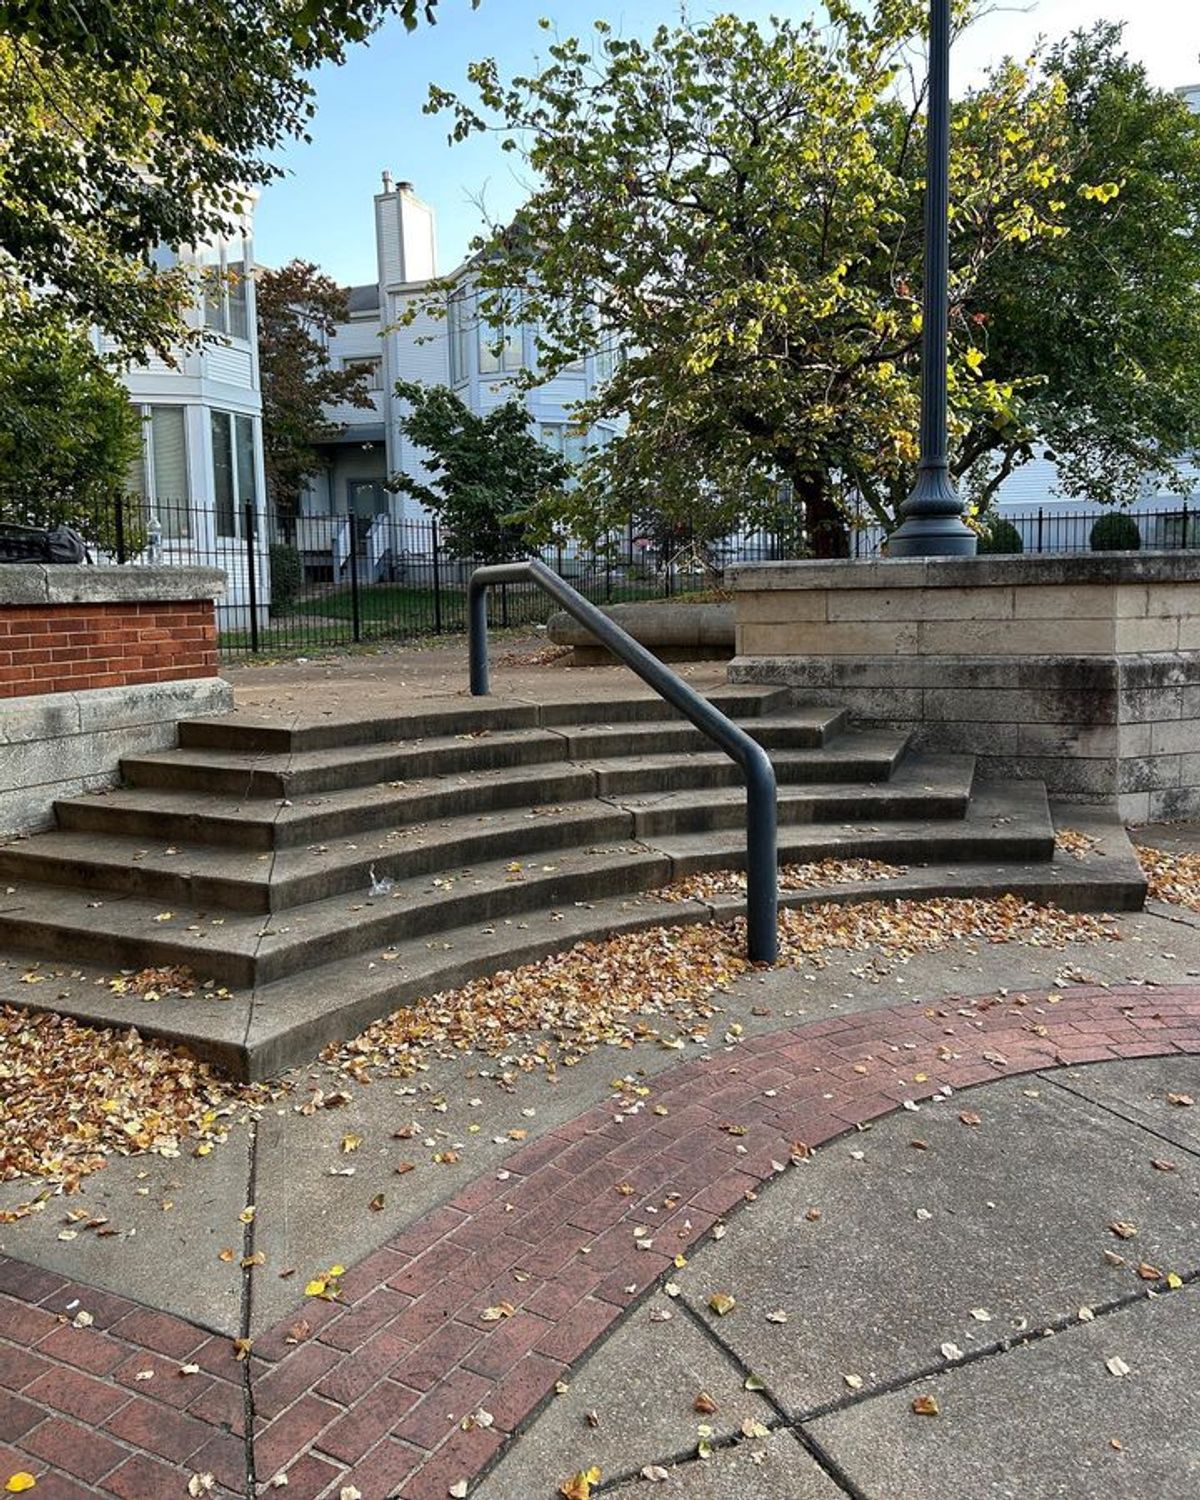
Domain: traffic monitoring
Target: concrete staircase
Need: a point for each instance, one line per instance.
(327, 872)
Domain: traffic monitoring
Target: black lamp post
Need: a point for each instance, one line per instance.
(933, 525)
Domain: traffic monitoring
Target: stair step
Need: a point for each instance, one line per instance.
(252, 732)
(1006, 822)
(249, 948)
(245, 880)
(252, 774)
(926, 787)
(168, 817)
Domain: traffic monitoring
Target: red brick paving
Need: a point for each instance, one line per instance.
(376, 1390)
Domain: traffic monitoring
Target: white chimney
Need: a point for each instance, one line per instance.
(405, 234)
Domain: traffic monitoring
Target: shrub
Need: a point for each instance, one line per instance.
(1115, 532)
(1001, 536)
(287, 574)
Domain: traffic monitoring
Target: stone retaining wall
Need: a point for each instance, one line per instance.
(1082, 671)
(96, 663)
(676, 630)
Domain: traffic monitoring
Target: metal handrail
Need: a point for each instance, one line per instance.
(762, 896)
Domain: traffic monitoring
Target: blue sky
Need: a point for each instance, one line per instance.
(369, 111)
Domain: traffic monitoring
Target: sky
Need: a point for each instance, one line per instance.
(370, 110)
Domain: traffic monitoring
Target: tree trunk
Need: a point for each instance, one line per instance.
(828, 535)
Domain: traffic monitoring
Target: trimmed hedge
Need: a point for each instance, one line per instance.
(287, 575)
(1001, 536)
(1115, 532)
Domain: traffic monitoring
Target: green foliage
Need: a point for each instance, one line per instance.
(489, 476)
(1000, 537)
(130, 124)
(1104, 321)
(1115, 532)
(741, 206)
(287, 576)
(68, 434)
(298, 308)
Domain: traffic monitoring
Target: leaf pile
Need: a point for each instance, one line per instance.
(1071, 841)
(612, 992)
(73, 1095)
(708, 883)
(1173, 877)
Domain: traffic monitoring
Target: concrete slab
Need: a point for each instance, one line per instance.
(1040, 1421)
(1139, 1091)
(989, 1231)
(171, 1217)
(642, 1385)
(774, 1468)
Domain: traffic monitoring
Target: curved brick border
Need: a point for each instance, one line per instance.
(374, 1390)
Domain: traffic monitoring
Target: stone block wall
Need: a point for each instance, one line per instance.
(97, 663)
(1083, 672)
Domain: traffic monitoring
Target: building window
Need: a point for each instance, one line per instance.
(160, 476)
(372, 366)
(500, 347)
(457, 320)
(609, 359)
(226, 290)
(233, 470)
(566, 438)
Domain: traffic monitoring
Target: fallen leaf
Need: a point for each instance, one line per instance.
(925, 1406)
(1116, 1366)
(1163, 1166)
(494, 1314)
(1183, 1101)
(753, 1429)
(579, 1486)
(778, 1316)
(200, 1484)
(981, 1315)
(1123, 1229)
(704, 1404)
(655, 1473)
(350, 1492)
(19, 1482)
(969, 1117)
(458, 1489)
(855, 1382)
(722, 1303)
(225, 1255)
(241, 1349)
(376, 1203)
(1148, 1272)
(951, 1351)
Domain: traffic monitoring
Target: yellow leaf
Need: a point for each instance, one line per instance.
(1174, 1280)
(579, 1486)
(19, 1482)
(315, 1288)
(337, 1270)
(722, 1303)
(350, 1143)
(925, 1406)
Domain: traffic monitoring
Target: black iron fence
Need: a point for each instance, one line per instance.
(309, 583)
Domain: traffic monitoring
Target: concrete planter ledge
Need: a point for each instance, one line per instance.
(673, 631)
(1082, 671)
(23, 584)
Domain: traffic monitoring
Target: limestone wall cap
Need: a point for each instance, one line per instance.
(1026, 570)
(46, 583)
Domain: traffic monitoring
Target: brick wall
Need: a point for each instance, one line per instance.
(57, 648)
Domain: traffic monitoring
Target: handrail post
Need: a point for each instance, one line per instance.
(762, 894)
(477, 642)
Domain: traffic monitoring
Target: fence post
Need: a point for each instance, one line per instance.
(1041, 517)
(504, 606)
(355, 609)
(252, 576)
(1183, 534)
(120, 523)
(437, 580)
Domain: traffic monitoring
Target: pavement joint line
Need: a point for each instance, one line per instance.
(1117, 1114)
(1093, 1023)
(246, 1310)
(998, 1347)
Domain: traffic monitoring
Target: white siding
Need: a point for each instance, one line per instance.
(230, 365)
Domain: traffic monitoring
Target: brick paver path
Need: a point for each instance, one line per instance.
(372, 1389)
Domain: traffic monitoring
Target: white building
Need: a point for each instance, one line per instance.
(456, 350)
(202, 455)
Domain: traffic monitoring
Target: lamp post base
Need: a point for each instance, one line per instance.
(932, 536)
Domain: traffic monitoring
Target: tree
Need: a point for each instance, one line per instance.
(741, 207)
(130, 124)
(68, 434)
(298, 309)
(488, 476)
(1106, 318)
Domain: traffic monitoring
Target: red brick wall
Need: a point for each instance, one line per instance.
(59, 648)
